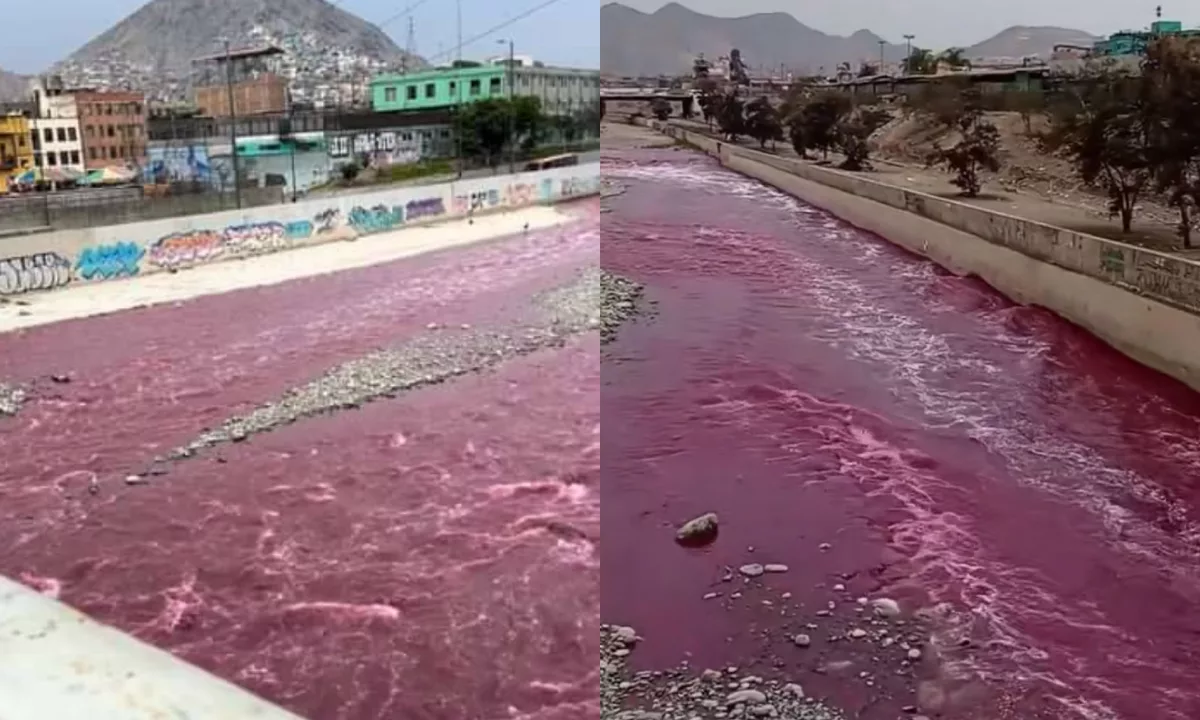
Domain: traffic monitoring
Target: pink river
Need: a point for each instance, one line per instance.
(428, 557)
(1033, 490)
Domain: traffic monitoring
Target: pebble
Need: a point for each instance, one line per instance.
(825, 546)
(914, 654)
(11, 399)
(839, 588)
(699, 530)
(802, 640)
(886, 607)
(752, 570)
(747, 696)
(858, 633)
(775, 568)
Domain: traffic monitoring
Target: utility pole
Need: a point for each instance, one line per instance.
(237, 185)
(908, 54)
(458, 125)
(881, 44)
(512, 110)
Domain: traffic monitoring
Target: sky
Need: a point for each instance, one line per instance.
(565, 33)
(948, 23)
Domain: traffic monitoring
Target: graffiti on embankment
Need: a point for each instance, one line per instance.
(29, 273)
(105, 262)
(124, 258)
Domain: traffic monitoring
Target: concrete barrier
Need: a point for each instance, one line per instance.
(1144, 303)
(57, 663)
(50, 260)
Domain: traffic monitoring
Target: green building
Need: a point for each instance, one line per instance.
(1134, 42)
(563, 91)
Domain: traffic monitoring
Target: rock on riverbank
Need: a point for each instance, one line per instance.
(620, 301)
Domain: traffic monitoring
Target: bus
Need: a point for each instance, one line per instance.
(556, 161)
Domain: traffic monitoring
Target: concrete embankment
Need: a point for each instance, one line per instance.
(52, 260)
(1142, 302)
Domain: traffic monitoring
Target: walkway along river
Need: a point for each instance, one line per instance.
(885, 428)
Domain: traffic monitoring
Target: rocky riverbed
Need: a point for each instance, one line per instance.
(621, 300)
(440, 354)
(11, 398)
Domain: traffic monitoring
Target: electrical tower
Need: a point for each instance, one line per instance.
(410, 44)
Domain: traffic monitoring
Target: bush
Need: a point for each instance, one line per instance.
(350, 171)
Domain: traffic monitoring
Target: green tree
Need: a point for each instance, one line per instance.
(762, 122)
(977, 149)
(852, 136)
(953, 57)
(1104, 126)
(1170, 79)
(482, 128)
(529, 122)
(814, 125)
(868, 70)
(731, 117)
(661, 108)
(920, 62)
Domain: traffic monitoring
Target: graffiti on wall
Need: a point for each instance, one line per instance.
(425, 208)
(298, 230)
(106, 262)
(379, 218)
(28, 273)
(476, 201)
(385, 147)
(520, 194)
(186, 248)
(577, 186)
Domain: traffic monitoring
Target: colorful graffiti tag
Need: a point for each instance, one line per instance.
(106, 262)
(327, 221)
(424, 208)
(255, 238)
(187, 248)
(477, 201)
(520, 194)
(299, 230)
(28, 273)
(380, 218)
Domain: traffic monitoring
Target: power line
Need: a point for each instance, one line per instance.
(476, 38)
(402, 13)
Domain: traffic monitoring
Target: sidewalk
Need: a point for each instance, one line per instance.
(1146, 232)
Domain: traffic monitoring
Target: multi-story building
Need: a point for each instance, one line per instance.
(250, 76)
(54, 127)
(113, 128)
(562, 91)
(16, 150)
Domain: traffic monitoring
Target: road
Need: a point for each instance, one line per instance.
(359, 525)
(883, 428)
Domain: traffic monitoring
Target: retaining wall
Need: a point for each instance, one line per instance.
(47, 261)
(1144, 303)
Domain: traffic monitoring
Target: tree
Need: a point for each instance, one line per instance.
(1027, 103)
(814, 126)
(762, 122)
(529, 122)
(1170, 80)
(661, 108)
(977, 149)
(852, 137)
(731, 117)
(482, 127)
(1104, 126)
(953, 58)
(868, 70)
(920, 62)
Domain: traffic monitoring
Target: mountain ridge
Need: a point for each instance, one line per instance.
(665, 41)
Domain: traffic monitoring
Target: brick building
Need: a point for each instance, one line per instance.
(113, 125)
(253, 77)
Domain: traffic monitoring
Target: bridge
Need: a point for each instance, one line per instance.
(627, 101)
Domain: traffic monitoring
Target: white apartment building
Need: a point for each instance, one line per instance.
(57, 141)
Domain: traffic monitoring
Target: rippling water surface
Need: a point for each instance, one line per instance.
(812, 383)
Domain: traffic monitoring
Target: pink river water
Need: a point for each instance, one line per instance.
(811, 383)
(428, 557)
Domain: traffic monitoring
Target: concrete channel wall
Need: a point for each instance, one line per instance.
(50, 260)
(55, 663)
(1144, 303)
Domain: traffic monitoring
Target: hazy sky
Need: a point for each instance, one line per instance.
(943, 23)
(38, 33)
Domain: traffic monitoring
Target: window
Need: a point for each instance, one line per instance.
(36, 138)
(92, 153)
(453, 87)
(74, 157)
(37, 159)
(48, 135)
(476, 87)
(111, 131)
(121, 151)
(112, 153)
(20, 141)
(91, 131)
(51, 158)
(74, 136)
(108, 109)
(62, 134)
(410, 92)
(430, 90)
(389, 94)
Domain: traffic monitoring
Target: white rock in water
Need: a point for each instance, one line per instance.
(752, 570)
(775, 568)
(625, 634)
(794, 689)
(802, 640)
(858, 633)
(746, 696)
(702, 529)
(914, 654)
(886, 607)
